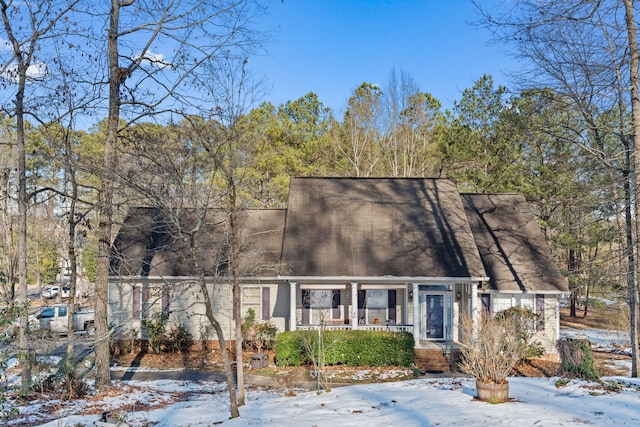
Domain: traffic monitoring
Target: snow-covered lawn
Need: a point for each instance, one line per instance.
(420, 402)
(423, 402)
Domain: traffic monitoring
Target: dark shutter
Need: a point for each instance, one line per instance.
(391, 299)
(266, 303)
(306, 304)
(485, 300)
(362, 297)
(165, 300)
(540, 324)
(335, 304)
(136, 302)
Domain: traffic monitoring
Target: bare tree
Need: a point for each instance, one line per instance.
(144, 81)
(583, 51)
(26, 27)
(634, 80)
(234, 91)
(357, 139)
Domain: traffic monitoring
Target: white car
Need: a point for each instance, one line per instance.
(52, 291)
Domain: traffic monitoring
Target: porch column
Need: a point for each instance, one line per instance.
(474, 308)
(292, 306)
(416, 312)
(354, 306)
(405, 316)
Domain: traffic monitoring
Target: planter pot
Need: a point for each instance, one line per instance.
(492, 393)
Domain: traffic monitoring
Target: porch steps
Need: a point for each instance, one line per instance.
(434, 360)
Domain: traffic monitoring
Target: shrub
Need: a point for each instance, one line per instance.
(289, 348)
(257, 335)
(577, 358)
(178, 339)
(523, 321)
(491, 348)
(155, 330)
(348, 347)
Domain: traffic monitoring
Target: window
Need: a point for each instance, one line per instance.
(377, 304)
(62, 311)
(47, 313)
(319, 305)
(320, 298)
(251, 296)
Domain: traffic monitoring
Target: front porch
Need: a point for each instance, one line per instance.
(429, 310)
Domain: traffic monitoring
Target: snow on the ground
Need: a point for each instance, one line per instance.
(422, 402)
(605, 340)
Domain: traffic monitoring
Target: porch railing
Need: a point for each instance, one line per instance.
(362, 327)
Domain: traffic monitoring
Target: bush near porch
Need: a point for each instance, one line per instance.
(346, 347)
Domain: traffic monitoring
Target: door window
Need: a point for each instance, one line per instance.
(434, 306)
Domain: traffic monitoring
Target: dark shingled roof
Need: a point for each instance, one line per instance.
(356, 227)
(148, 244)
(511, 244)
(377, 227)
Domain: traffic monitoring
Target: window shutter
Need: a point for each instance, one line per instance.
(485, 300)
(392, 306)
(136, 302)
(540, 312)
(266, 303)
(362, 297)
(165, 301)
(306, 303)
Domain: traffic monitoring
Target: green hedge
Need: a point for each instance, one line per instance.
(346, 347)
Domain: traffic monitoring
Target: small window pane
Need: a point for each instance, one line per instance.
(321, 298)
(377, 299)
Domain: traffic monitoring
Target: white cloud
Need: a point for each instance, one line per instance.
(35, 71)
(153, 59)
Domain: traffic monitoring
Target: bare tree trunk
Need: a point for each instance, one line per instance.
(237, 294)
(71, 250)
(233, 404)
(23, 199)
(25, 359)
(117, 76)
(634, 79)
(231, 383)
(574, 288)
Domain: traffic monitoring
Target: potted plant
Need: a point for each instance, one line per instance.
(490, 350)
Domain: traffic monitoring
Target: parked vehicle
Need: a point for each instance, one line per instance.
(52, 291)
(54, 319)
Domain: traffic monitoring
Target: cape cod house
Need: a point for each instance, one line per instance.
(398, 254)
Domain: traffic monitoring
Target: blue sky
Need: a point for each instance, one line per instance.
(331, 46)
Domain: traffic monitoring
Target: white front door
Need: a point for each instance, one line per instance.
(435, 315)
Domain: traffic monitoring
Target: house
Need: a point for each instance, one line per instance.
(397, 254)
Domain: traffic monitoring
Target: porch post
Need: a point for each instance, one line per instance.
(292, 306)
(416, 312)
(405, 311)
(354, 306)
(474, 308)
